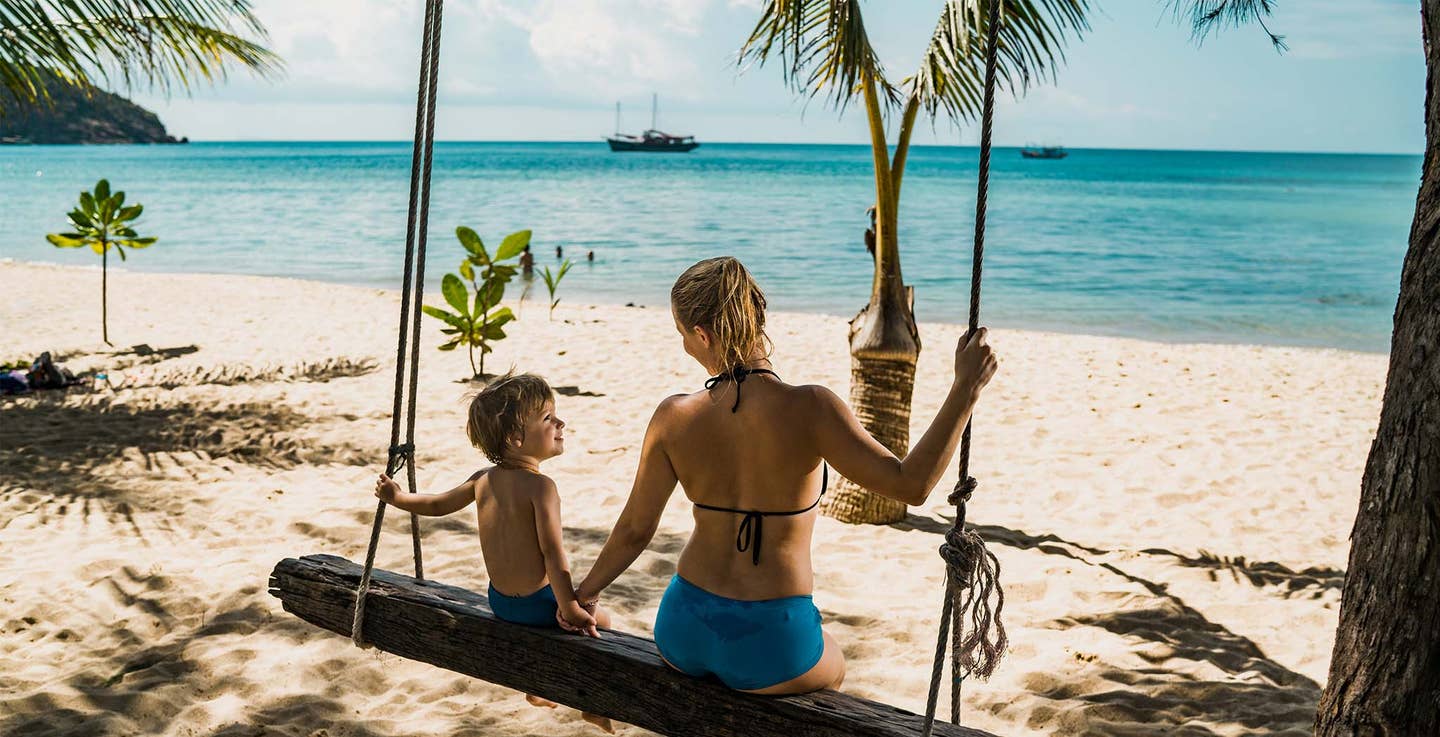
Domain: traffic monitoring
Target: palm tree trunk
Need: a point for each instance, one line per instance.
(1385, 669)
(104, 296)
(884, 345)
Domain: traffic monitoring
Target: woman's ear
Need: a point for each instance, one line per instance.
(706, 339)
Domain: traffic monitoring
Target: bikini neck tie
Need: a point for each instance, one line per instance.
(737, 375)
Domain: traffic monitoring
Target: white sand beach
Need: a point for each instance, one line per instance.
(1172, 520)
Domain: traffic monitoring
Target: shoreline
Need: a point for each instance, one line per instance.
(433, 295)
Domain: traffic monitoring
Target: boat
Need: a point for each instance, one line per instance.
(1044, 152)
(653, 140)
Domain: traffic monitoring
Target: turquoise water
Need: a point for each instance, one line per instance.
(1294, 249)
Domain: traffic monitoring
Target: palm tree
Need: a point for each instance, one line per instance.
(160, 44)
(824, 48)
(1385, 666)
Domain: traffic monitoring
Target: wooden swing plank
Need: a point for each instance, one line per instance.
(619, 676)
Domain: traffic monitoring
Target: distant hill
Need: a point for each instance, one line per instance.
(75, 117)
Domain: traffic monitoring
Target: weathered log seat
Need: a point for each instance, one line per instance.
(619, 676)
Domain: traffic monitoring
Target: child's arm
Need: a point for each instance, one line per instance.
(428, 505)
(552, 548)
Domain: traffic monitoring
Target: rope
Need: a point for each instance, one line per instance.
(977, 636)
(403, 455)
(432, 72)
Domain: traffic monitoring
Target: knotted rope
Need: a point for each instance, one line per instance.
(402, 455)
(972, 580)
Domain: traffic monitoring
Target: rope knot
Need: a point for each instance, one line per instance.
(959, 552)
(399, 456)
(963, 489)
(975, 601)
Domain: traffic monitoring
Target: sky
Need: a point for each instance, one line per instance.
(553, 70)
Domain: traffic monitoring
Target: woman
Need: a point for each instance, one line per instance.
(739, 606)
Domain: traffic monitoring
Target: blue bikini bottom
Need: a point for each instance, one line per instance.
(536, 610)
(748, 645)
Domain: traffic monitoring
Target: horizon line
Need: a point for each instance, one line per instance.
(598, 139)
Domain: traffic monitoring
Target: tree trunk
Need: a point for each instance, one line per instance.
(884, 341)
(884, 346)
(1385, 669)
(104, 296)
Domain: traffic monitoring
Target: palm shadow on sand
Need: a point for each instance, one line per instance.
(142, 677)
(1258, 693)
(59, 453)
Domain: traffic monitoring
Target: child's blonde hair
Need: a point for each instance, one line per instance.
(719, 295)
(498, 412)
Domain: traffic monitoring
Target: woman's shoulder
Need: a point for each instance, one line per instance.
(674, 405)
(816, 397)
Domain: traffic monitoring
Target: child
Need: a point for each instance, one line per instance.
(513, 423)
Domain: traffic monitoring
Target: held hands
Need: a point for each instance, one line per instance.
(975, 362)
(386, 489)
(577, 617)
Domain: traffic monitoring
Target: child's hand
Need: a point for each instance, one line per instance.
(572, 617)
(386, 489)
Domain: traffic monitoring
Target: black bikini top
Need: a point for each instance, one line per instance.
(748, 538)
(737, 375)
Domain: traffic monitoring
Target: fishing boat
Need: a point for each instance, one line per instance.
(651, 140)
(1044, 152)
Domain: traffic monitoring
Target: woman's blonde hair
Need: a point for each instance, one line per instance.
(719, 295)
(499, 411)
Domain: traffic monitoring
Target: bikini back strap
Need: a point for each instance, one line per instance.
(747, 538)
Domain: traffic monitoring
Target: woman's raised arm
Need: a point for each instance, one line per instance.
(862, 459)
(654, 483)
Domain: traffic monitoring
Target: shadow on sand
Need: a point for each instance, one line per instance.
(1257, 694)
(61, 453)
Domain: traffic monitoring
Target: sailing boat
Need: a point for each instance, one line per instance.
(1044, 152)
(650, 140)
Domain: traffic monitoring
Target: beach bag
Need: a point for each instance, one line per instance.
(13, 382)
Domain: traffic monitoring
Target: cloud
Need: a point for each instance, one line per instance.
(603, 49)
(1348, 29)
(545, 52)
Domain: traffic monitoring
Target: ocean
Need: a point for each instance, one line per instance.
(1270, 248)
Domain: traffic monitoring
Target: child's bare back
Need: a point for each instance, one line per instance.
(505, 501)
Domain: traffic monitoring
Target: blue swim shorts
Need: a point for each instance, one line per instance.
(536, 609)
(748, 645)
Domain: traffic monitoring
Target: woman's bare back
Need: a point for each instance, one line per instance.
(761, 457)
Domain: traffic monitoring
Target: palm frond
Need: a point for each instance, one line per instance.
(1210, 16)
(822, 44)
(1031, 40)
(157, 44)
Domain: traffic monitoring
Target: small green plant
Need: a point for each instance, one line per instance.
(552, 282)
(102, 221)
(482, 325)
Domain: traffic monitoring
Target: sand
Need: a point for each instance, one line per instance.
(1172, 520)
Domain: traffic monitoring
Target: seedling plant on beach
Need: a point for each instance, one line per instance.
(102, 222)
(552, 283)
(482, 325)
